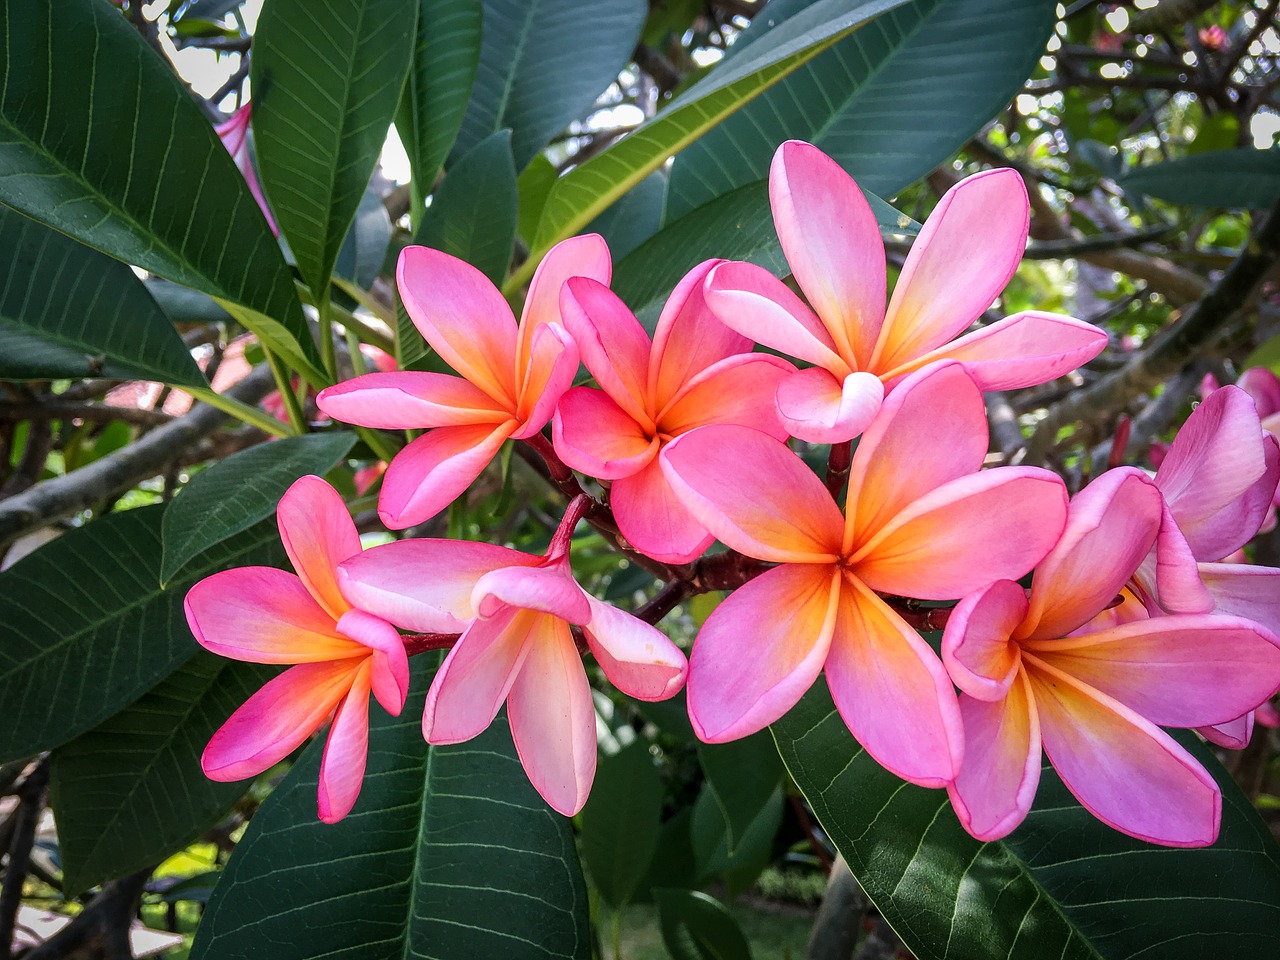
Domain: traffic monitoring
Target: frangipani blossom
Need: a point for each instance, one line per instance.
(234, 134)
(965, 254)
(920, 521)
(1057, 668)
(695, 372)
(1264, 387)
(341, 652)
(511, 376)
(516, 647)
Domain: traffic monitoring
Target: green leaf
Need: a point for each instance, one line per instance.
(1062, 885)
(542, 65)
(696, 926)
(69, 311)
(619, 828)
(75, 654)
(872, 101)
(741, 776)
(449, 852)
(130, 792)
(235, 493)
(1235, 179)
(99, 140)
(582, 194)
(534, 185)
(326, 75)
(473, 212)
(740, 866)
(633, 218)
(364, 249)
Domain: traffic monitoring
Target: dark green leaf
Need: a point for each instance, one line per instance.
(1235, 179)
(741, 776)
(130, 791)
(619, 828)
(184, 305)
(448, 853)
(101, 141)
(634, 217)
(237, 492)
(1062, 885)
(740, 866)
(72, 657)
(542, 65)
(534, 185)
(327, 75)
(698, 927)
(473, 213)
(365, 248)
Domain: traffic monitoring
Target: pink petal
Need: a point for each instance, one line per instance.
(976, 648)
(816, 407)
(432, 471)
(752, 301)
(463, 317)
(832, 242)
(1126, 771)
(965, 254)
(738, 389)
(778, 510)
(892, 691)
(547, 589)
(424, 585)
(1001, 769)
(390, 663)
(1170, 573)
(1264, 387)
(553, 719)
(637, 658)
(1234, 734)
(345, 752)
(654, 519)
(403, 401)
(552, 366)
(1245, 590)
(613, 345)
(688, 338)
(273, 722)
(584, 256)
(761, 649)
(594, 435)
(318, 534)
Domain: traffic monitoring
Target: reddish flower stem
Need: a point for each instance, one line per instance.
(838, 463)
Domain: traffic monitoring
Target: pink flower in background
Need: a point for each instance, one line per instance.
(1059, 669)
(695, 372)
(1264, 387)
(965, 254)
(234, 134)
(920, 521)
(511, 376)
(265, 615)
(515, 610)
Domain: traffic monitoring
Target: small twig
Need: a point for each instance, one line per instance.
(30, 801)
(55, 408)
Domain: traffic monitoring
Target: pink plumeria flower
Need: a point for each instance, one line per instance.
(920, 521)
(695, 372)
(234, 134)
(515, 610)
(511, 376)
(1058, 669)
(964, 256)
(1264, 387)
(265, 615)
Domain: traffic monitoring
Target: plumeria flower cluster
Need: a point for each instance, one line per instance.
(1139, 615)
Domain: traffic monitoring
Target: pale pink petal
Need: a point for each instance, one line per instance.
(407, 401)
(1001, 770)
(345, 752)
(1170, 575)
(594, 435)
(761, 649)
(1264, 387)
(583, 256)
(1010, 517)
(612, 344)
(275, 721)
(1234, 734)
(318, 534)
(553, 719)
(965, 254)
(390, 673)
(464, 318)
(752, 301)
(892, 691)
(637, 658)
(654, 519)
(738, 389)
(547, 589)
(263, 615)
(1245, 590)
(424, 585)
(432, 471)
(471, 684)
(976, 648)
(832, 242)
(816, 407)
(553, 363)
(776, 510)
(689, 338)
(1126, 771)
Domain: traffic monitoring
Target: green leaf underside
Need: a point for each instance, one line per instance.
(113, 634)
(73, 104)
(696, 926)
(235, 493)
(130, 791)
(1062, 885)
(619, 829)
(741, 777)
(327, 76)
(1235, 179)
(448, 853)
